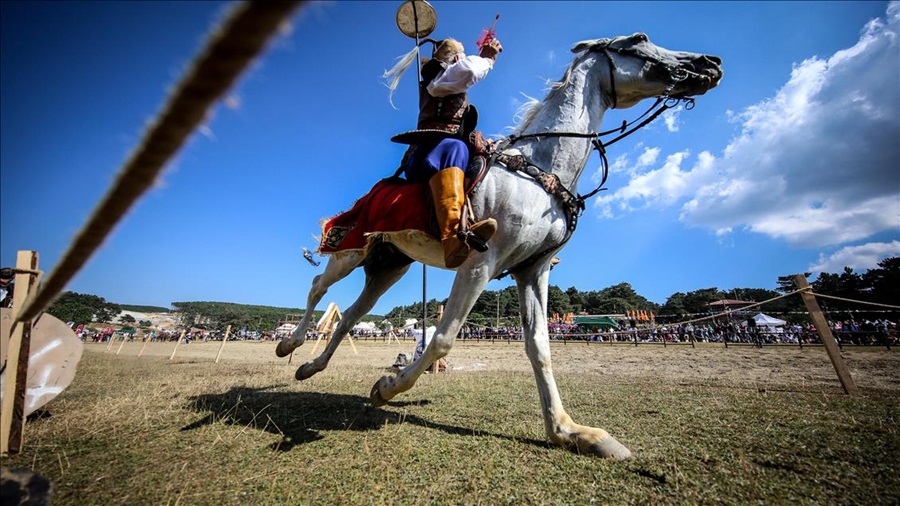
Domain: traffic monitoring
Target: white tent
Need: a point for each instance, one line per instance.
(286, 327)
(369, 328)
(763, 320)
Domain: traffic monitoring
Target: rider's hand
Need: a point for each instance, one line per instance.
(491, 49)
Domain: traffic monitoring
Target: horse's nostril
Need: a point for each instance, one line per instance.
(713, 59)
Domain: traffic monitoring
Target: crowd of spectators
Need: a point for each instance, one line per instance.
(878, 332)
(868, 332)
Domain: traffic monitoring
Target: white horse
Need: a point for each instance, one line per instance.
(555, 140)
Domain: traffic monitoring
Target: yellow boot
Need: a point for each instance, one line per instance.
(447, 192)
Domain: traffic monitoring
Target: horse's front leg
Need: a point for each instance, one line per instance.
(379, 277)
(337, 268)
(467, 286)
(532, 287)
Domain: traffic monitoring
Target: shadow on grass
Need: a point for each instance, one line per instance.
(300, 417)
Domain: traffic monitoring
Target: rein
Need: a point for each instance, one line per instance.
(574, 205)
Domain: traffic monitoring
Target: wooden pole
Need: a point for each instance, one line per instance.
(227, 332)
(112, 337)
(12, 411)
(316, 345)
(324, 326)
(121, 344)
(352, 345)
(818, 319)
(183, 332)
(338, 316)
(144, 347)
(321, 330)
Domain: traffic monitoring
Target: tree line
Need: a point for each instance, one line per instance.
(219, 315)
(880, 285)
(501, 307)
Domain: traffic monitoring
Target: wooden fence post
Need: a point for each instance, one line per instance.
(144, 347)
(818, 319)
(183, 332)
(227, 332)
(119, 350)
(12, 411)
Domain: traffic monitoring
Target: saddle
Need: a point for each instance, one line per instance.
(396, 205)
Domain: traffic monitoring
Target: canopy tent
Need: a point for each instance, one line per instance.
(286, 327)
(370, 327)
(763, 320)
(590, 322)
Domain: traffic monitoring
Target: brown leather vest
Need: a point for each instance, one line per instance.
(440, 113)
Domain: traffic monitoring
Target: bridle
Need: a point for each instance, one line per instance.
(663, 103)
(574, 205)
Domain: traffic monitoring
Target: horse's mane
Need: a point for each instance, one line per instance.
(528, 111)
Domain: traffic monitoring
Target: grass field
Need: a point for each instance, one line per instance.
(707, 425)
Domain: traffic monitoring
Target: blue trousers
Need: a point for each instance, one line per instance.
(427, 159)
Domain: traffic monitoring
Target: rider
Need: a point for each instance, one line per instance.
(439, 152)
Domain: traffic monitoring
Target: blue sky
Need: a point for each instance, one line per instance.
(792, 164)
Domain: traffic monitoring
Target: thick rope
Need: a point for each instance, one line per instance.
(867, 303)
(229, 50)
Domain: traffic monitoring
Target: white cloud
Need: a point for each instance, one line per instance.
(818, 164)
(859, 258)
(659, 187)
(670, 117)
(648, 157)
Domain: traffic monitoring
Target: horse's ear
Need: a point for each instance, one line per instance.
(589, 44)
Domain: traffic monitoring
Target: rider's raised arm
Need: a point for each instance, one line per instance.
(460, 76)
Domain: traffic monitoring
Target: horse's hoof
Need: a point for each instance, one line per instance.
(607, 448)
(305, 371)
(375, 397)
(615, 450)
(280, 351)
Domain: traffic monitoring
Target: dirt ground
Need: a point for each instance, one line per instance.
(767, 367)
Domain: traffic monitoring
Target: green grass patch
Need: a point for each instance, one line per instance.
(153, 431)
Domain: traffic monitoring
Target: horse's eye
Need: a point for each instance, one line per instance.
(641, 37)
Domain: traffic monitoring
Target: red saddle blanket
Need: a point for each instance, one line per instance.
(392, 205)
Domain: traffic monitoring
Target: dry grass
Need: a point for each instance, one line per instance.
(706, 424)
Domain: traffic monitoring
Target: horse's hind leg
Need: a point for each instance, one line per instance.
(384, 267)
(338, 267)
(532, 287)
(467, 286)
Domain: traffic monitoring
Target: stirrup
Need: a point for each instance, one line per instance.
(472, 240)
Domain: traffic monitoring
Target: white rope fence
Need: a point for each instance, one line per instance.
(867, 303)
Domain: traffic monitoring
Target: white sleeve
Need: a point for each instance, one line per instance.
(460, 76)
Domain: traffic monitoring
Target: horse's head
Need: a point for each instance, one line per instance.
(639, 69)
